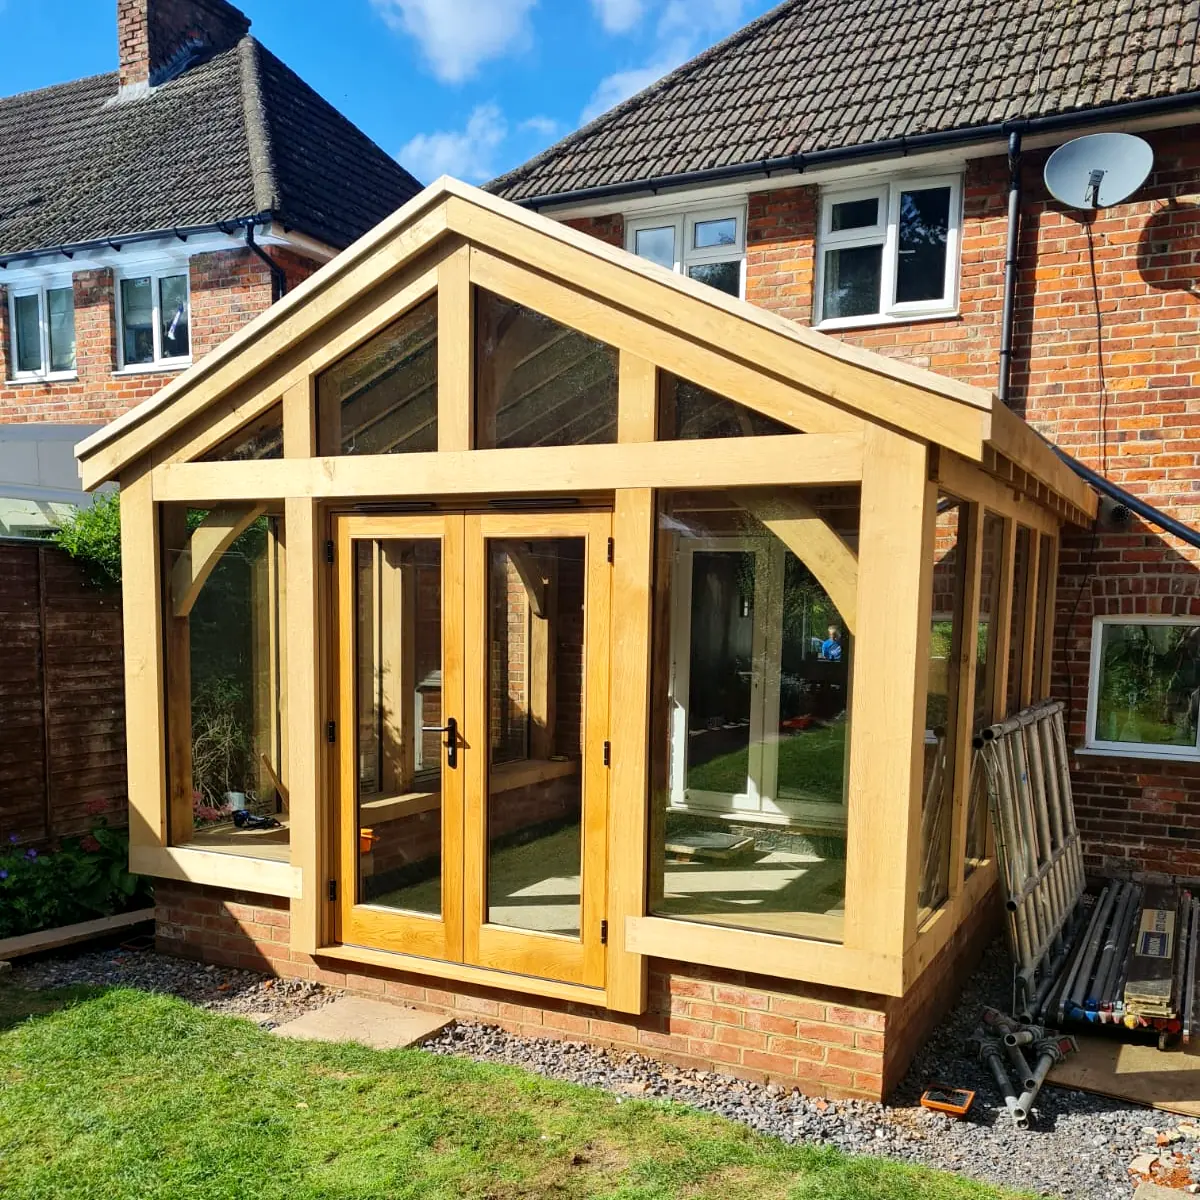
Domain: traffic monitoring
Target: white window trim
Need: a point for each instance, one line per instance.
(684, 223)
(1100, 746)
(155, 274)
(886, 233)
(39, 288)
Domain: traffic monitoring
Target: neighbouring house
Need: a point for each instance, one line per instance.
(145, 216)
(616, 643)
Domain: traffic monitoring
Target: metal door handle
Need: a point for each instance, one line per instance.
(450, 729)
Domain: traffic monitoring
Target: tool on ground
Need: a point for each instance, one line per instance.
(1000, 1036)
(955, 1101)
(244, 819)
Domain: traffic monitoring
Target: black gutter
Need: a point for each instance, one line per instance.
(278, 275)
(181, 232)
(1010, 265)
(900, 147)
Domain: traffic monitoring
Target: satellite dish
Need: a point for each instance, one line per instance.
(1099, 170)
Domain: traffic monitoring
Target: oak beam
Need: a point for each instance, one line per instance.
(456, 352)
(209, 540)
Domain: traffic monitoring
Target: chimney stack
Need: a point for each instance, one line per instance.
(159, 38)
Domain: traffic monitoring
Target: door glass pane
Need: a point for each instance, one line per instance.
(61, 305)
(400, 748)
(29, 334)
(539, 383)
(535, 606)
(137, 320)
(852, 282)
(658, 245)
(710, 234)
(725, 277)
(924, 228)
(173, 310)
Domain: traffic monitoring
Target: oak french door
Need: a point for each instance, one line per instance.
(473, 705)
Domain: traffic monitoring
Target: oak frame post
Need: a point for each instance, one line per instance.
(456, 352)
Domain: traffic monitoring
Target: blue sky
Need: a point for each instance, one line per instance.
(467, 87)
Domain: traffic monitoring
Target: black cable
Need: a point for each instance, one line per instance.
(1102, 378)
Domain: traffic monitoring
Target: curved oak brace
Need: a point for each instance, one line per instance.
(219, 530)
(812, 540)
(532, 576)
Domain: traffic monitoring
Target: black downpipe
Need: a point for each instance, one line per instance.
(278, 275)
(1010, 264)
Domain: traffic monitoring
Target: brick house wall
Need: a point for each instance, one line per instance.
(1137, 815)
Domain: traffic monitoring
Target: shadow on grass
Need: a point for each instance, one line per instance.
(19, 1004)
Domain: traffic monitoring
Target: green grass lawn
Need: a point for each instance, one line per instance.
(126, 1096)
(811, 765)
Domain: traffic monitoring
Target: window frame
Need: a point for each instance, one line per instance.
(886, 234)
(155, 274)
(1101, 746)
(39, 288)
(684, 223)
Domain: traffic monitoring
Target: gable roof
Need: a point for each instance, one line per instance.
(237, 135)
(815, 370)
(823, 76)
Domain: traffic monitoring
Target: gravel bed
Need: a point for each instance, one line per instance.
(268, 1001)
(1080, 1145)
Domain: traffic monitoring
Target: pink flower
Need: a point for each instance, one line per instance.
(89, 844)
(94, 808)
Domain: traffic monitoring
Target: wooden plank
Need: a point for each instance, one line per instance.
(1049, 620)
(237, 872)
(1003, 619)
(637, 400)
(71, 935)
(633, 587)
(456, 352)
(208, 541)
(1014, 438)
(300, 419)
(966, 481)
(544, 470)
(178, 695)
(1030, 616)
(889, 680)
(144, 690)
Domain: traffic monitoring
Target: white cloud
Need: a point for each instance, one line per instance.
(466, 154)
(692, 17)
(456, 36)
(618, 87)
(619, 16)
(542, 126)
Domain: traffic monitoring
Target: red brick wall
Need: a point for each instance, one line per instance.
(826, 1041)
(1136, 815)
(229, 288)
(153, 34)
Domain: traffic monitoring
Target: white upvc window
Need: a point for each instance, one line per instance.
(708, 245)
(42, 319)
(154, 318)
(888, 252)
(1144, 687)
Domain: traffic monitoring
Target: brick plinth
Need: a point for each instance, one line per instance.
(826, 1041)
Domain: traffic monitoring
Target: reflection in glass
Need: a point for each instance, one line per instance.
(60, 303)
(258, 441)
(752, 696)
(725, 277)
(1148, 684)
(173, 314)
(1020, 606)
(535, 607)
(855, 214)
(852, 282)
(1043, 634)
(385, 393)
(29, 333)
(924, 229)
(710, 234)
(687, 411)
(398, 699)
(539, 383)
(137, 320)
(657, 245)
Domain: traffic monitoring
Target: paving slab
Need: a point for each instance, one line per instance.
(1152, 1191)
(373, 1023)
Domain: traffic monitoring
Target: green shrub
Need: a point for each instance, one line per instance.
(92, 536)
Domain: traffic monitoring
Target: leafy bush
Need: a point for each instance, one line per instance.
(84, 879)
(92, 536)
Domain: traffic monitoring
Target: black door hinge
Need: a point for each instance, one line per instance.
(612, 550)
(329, 552)
(604, 933)
(608, 754)
(333, 889)
(331, 732)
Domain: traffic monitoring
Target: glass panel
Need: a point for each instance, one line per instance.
(60, 303)
(854, 214)
(1044, 626)
(398, 697)
(386, 390)
(539, 383)
(258, 441)
(535, 733)
(924, 228)
(173, 310)
(137, 320)
(1020, 598)
(658, 245)
(1148, 684)
(941, 703)
(725, 277)
(985, 682)
(687, 411)
(29, 333)
(229, 657)
(852, 282)
(750, 716)
(710, 234)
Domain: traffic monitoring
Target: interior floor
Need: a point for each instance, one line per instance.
(226, 838)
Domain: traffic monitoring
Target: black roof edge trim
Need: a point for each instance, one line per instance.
(891, 148)
(182, 232)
